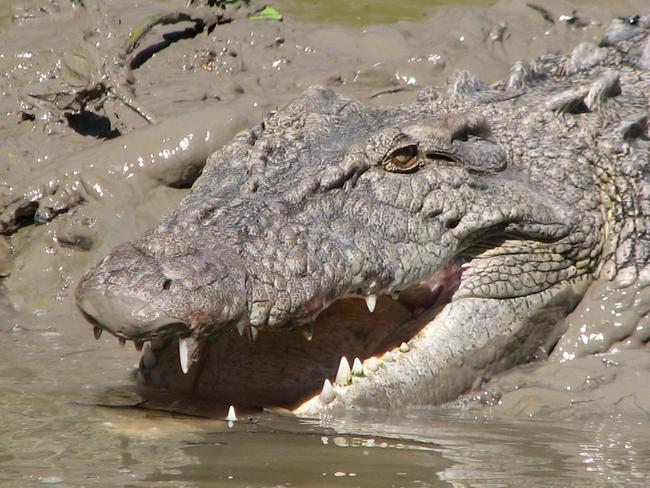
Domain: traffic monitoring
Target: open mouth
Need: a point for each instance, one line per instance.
(349, 342)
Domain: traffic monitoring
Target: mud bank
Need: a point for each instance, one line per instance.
(82, 172)
(596, 369)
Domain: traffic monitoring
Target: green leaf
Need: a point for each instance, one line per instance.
(267, 13)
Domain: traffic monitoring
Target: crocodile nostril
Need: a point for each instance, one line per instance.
(167, 284)
(453, 223)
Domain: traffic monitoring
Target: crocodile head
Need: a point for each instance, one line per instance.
(343, 255)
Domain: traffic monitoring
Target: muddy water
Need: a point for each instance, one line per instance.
(523, 429)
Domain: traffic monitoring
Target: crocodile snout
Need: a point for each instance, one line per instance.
(127, 317)
(119, 298)
(139, 293)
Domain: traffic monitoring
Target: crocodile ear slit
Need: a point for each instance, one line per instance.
(442, 156)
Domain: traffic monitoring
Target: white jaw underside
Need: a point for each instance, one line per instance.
(362, 379)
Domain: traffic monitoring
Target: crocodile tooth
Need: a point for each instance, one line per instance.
(343, 376)
(394, 295)
(148, 357)
(372, 364)
(183, 354)
(138, 345)
(327, 394)
(97, 332)
(357, 367)
(240, 327)
(308, 331)
(121, 340)
(371, 301)
(388, 357)
(404, 347)
(253, 333)
(232, 416)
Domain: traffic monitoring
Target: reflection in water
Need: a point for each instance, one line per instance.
(514, 453)
(306, 457)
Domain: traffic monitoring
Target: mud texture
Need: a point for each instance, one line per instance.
(83, 171)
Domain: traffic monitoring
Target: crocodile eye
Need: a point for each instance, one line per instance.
(402, 159)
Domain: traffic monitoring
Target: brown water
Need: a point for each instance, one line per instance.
(53, 373)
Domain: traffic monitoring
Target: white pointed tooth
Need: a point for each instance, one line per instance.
(183, 354)
(343, 375)
(97, 332)
(388, 357)
(232, 416)
(148, 357)
(240, 327)
(394, 295)
(371, 364)
(327, 394)
(253, 331)
(466, 265)
(357, 367)
(308, 331)
(371, 302)
(404, 347)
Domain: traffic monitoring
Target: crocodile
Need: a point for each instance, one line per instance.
(338, 255)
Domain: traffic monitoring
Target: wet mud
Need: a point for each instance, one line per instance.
(82, 170)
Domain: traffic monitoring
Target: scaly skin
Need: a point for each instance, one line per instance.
(505, 201)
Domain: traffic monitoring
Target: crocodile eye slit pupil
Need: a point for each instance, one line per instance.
(166, 284)
(404, 158)
(402, 161)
